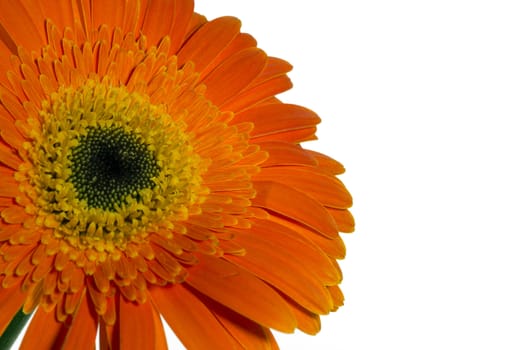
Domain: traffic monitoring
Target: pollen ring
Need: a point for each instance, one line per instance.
(107, 166)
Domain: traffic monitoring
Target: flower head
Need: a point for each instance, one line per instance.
(148, 169)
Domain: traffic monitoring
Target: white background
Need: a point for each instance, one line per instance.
(423, 101)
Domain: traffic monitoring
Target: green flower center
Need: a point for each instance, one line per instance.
(110, 164)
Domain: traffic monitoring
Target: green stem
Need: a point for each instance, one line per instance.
(13, 330)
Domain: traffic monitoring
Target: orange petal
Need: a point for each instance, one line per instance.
(14, 253)
(277, 118)
(112, 17)
(11, 105)
(327, 190)
(327, 164)
(10, 133)
(333, 247)
(17, 22)
(254, 95)
(285, 153)
(272, 81)
(159, 18)
(313, 258)
(181, 23)
(72, 300)
(108, 340)
(343, 219)
(83, 329)
(137, 326)
(248, 334)
(8, 185)
(284, 200)
(240, 42)
(9, 157)
(293, 136)
(98, 299)
(11, 301)
(271, 339)
(7, 48)
(101, 280)
(160, 336)
(240, 291)
(6, 202)
(14, 215)
(282, 269)
(44, 332)
(61, 12)
(190, 319)
(274, 67)
(196, 21)
(208, 42)
(307, 321)
(234, 74)
(337, 296)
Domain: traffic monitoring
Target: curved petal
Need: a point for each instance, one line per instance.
(139, 319)
(234, 74)
(208, 42)
(289, 277)
(156, 29)
(326, 163)
(284, 200)
(62, 12)
(248, 334)
(18, 23)
(44, 332)
(83, 329)
(343, 219)
(241, 42)
(240, 291)
(8, 185)
(327, 190)
(334, 247)
(11, 300)
(285, 153)
(276, 118)
(190, 319)
(307, 321)
(181, 23)
(272, 81)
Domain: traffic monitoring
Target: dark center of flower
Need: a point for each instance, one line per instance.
(108, 165)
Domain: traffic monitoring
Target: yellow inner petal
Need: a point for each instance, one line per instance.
(62, 201)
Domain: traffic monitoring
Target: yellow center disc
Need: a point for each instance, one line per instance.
(108, 166)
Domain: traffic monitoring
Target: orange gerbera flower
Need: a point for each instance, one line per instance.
(147, 169)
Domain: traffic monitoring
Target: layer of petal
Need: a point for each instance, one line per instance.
(17, 21)
(334, 247)
(284, 200)
(11, 300)
(208, 42)
(44, 332)
(137, 326)
(9, 157)
(282, 269)
(285, 153)
(190, 319)
(234, 74)
(270, 82)
(83, 329)
(240, 291)
(277, 118)
(327, 190)
(248, 334)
